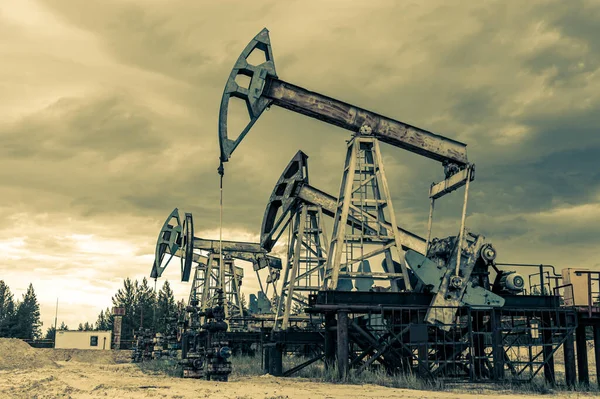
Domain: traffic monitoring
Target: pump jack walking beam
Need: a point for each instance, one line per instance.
(175, 238)
(266, 89)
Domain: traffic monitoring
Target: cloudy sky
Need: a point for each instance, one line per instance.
(108, 120)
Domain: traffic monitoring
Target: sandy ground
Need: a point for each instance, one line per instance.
(74, 379)
(26, 372)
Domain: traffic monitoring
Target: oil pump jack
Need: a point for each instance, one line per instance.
(177, 239)
(443, 317)
(446, 267)
(292, 198)
(214, 297)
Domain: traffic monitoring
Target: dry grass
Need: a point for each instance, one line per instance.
(251, 366)
(246, 366)
(168, 367)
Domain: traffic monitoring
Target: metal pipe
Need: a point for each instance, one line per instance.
(55, 321)
(541, 280)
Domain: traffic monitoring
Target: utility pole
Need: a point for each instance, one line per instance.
(55, 321)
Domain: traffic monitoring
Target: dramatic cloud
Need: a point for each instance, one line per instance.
(109, 121)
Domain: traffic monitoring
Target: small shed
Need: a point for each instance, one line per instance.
(95, 340)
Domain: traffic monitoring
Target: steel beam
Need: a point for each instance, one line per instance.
(597, 352)
(349, 117)
(497, 344)
(266, 89)
(343, 344)
(549, 372)
(228, 246)
(452, 183)
(328, 203)
(569, 352)
(582, 359)
(330, 334)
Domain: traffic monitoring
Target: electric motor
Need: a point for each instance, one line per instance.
(512, 282)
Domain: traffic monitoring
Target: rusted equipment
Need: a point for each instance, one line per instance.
(365, 197)
(214, 304)
(307, 247)
(205, 349)
(177, 239)
(446, 318)
(266, 89)
(143, 347)
(118, 314)
(292, 193)
(172, 336)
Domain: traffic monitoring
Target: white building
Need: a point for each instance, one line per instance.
(96, 340)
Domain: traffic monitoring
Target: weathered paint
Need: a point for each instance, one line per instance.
(82, 340)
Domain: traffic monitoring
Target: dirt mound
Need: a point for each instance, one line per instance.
(87, 355)
(16, 354)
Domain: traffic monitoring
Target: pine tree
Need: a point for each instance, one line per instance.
(146, 305)
(80, 327)
(165, 307)
(87, 327)
(108, 317)
(126, 298)
(102, 322)
(50, 333)
(63, 327)
(27, 319)
(7, 310)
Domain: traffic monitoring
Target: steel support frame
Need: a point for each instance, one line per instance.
(304, 272)
(364, 158)
(482, 344)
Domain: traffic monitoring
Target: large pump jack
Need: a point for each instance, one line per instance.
(446, 265)
(293, 193)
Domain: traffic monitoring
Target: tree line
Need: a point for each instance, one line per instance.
(144, 307)
(20, 318)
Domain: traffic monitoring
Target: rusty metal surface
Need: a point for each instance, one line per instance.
(167, 243)
(451, 290)
(452, 183)
(292, 187)
(174, 239)
(265, 89)
(252, 95)
(228, 246)
(349, 117)
(328, 202)
(283, 200)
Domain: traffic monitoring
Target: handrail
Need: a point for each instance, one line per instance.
(541, 267)
(590, 280)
